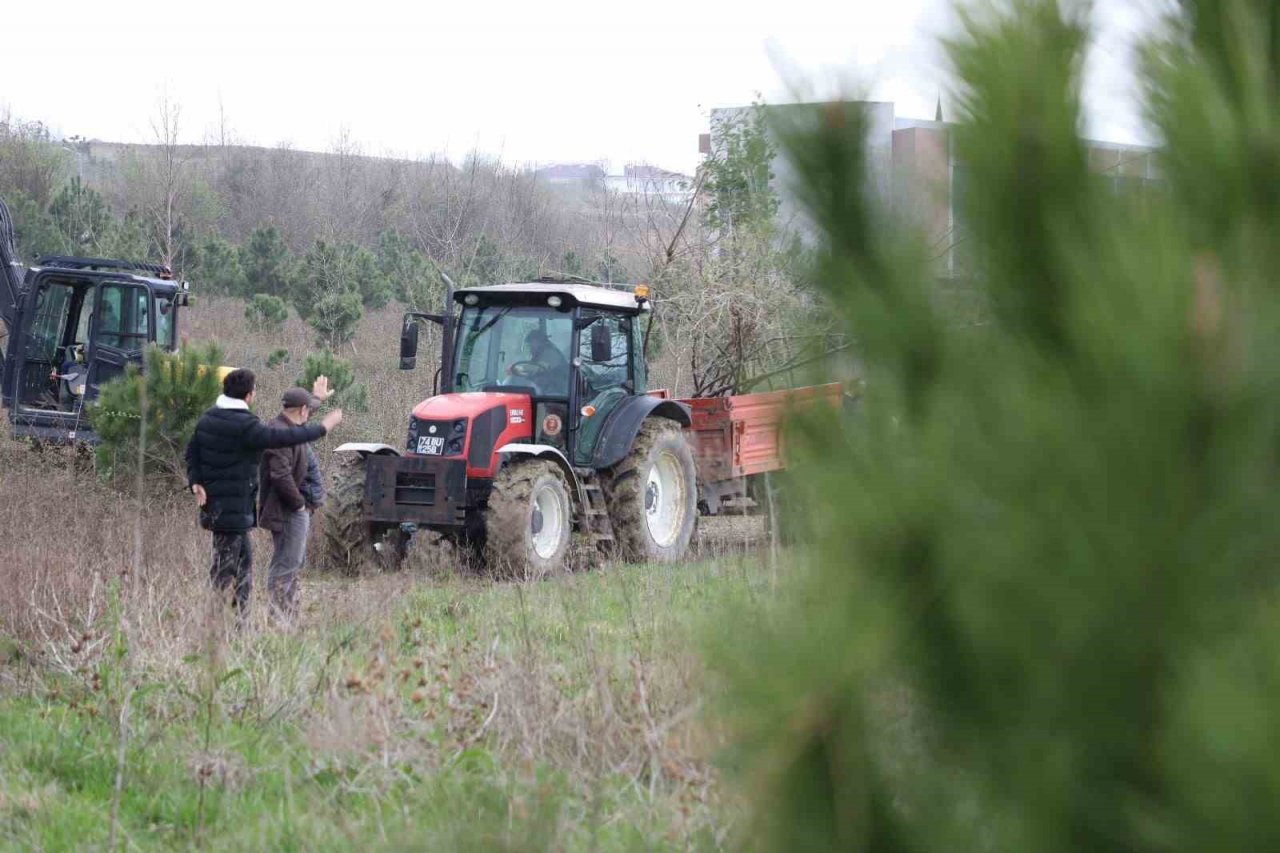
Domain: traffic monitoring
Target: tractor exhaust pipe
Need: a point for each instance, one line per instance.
(446, 336)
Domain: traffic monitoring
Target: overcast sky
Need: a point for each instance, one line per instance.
(624, 81)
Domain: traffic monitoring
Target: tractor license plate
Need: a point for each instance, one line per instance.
(430, 446)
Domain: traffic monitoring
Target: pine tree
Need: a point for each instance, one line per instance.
(413, 279)
(219, 270)
(1040, 610)
(82, 219)
(180, 386)
(266, 262)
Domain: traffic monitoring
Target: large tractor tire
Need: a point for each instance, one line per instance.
(652, 495)
(529, 521)
(353, 545)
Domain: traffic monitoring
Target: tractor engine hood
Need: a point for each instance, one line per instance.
(492, 420)
(470, 404)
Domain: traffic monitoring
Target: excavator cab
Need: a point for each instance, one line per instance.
(70, 325)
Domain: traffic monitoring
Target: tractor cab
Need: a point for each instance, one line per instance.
(70, 325)
(574, 350)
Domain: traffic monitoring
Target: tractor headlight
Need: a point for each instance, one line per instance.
(453, 446)
(459, 427)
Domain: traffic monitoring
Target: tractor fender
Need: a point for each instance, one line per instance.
(619, 432)
(369, 448)
(545, 451)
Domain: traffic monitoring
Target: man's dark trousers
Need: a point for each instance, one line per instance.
(233, 566)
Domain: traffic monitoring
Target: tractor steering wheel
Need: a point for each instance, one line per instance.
(527, 369)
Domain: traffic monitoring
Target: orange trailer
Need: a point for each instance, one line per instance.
(734, 438)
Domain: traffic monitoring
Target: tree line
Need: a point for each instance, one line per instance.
(337, 233)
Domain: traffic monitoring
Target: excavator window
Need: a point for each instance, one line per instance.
(124, 321)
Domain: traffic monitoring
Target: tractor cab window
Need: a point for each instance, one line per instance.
(605, 378)
(123, 320)
(506, 345)
(604, 348)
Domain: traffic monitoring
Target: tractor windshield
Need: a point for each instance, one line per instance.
(514, 345)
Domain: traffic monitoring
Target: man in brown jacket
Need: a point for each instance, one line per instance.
(284, 510)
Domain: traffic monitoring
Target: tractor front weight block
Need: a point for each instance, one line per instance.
(416, 489)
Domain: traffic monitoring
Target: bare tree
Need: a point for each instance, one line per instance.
(172, 184)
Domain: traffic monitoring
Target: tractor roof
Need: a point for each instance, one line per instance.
(592, 295)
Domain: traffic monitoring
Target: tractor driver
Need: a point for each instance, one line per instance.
(546, 363)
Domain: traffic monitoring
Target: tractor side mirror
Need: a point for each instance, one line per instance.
(409, 346)
(601, 343)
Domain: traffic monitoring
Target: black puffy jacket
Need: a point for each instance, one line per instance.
(223, 455)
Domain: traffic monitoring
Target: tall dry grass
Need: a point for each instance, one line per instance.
(595, 676)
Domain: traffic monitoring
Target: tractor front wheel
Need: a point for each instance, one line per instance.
(353, 544)
(652, 495)
(528, 522)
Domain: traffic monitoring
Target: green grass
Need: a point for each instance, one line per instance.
(457, 715)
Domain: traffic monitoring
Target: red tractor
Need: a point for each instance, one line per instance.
(544, 426)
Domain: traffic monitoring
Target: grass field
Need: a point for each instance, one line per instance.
(452, 714)
(429, 708)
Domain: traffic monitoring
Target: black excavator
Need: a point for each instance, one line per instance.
(69, 325)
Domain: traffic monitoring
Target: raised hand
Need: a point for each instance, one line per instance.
(320, 388)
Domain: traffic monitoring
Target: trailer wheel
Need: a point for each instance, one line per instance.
(352, 544)
(528, 522)
(652, 495)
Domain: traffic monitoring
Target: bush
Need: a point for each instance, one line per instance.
(335, 317)
(179, 387)
(342, 380)
(1041, 611)
(266, 313)
(277, 358)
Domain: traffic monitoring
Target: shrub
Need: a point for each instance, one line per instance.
(277, 358)
(342, 380)
(266, 313)
(179, 387)
(335, 317)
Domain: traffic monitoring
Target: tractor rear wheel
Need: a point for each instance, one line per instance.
(528, 522)
(652, 495)
(353, 544)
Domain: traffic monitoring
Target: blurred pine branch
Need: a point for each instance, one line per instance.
(1042, 609)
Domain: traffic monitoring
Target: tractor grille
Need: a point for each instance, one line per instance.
(451, 436)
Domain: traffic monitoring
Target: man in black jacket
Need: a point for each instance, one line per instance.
(222, 470)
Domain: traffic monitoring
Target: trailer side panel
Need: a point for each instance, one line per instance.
(740, 436)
